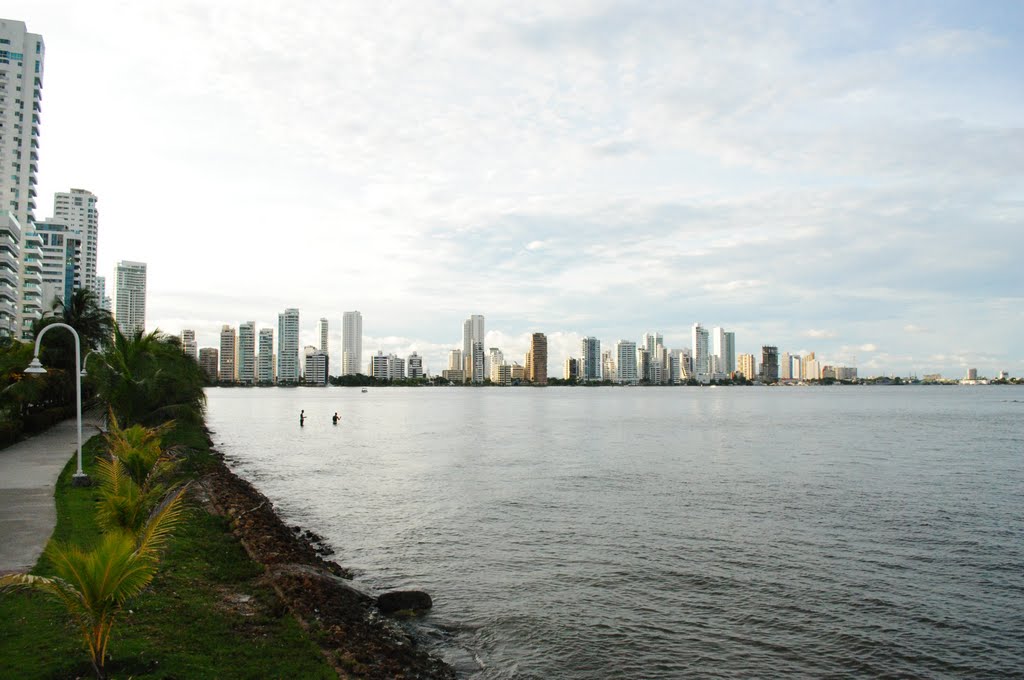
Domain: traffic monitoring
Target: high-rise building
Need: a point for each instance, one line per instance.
(323, 331)
(723, 346)
(100, 291)
(31, 287)
(699, 340)
(786, 366)
(208, 360)
(455, 360)
(572, 369)
(495, 358)
(351, 343)
(265, 358)
(288, 346)
(379, 366)
(228, 372)
(396, 367)
(130, 296)
(479, 362)
(188, 343)
(247, 353)
(643, 364)
(61, 261)
(538, 359)
(21, 83)
(590, 353)
(415, 366)
(769, 364)
(502, 374)
(608, 369)
(746, 364)
(473, 331)
(316, 366)
(10, 248)
(625, 362)
(77, 209)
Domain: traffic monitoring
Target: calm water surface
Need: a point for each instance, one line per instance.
(666, 532)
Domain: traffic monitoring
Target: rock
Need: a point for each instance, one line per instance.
(398, 600)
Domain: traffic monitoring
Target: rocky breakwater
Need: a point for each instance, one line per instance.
(352, 630)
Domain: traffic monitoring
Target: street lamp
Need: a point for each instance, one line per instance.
(80, 478)
(85, 362)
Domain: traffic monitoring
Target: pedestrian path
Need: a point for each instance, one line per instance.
(28, 476)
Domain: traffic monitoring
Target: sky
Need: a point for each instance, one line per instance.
(838, 177)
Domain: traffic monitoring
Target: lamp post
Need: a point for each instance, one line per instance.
(80, 478)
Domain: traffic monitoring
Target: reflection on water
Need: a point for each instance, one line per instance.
(665, 532)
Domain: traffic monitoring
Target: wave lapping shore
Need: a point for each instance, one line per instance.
(355, 637)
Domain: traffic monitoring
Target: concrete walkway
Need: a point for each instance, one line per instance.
(28, 477)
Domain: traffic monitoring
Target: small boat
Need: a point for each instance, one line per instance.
(364, 390)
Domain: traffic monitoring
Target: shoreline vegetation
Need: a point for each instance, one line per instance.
(165, 564)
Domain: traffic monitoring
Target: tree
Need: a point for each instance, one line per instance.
(145, 378)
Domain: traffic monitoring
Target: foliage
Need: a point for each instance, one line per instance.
(146, 379)
(94, 584)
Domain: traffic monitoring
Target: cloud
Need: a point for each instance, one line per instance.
(820, 333)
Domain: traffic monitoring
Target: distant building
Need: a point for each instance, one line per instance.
(415, 366)
(130, 296)
(517, 372)
(608, 370)
(643, 364)
(265, 358)
(501, 374)
(590, 355)
(188, 343)
(454, 375)
(77, 209)
(288, 346)
(323, 330)
(316, 367)
(396, 367)
(972, 374)
(746, 365)
(701, 362)
(769, 364)
(538, 359)
(785, 366)
(495, 358)
(228, 354)
(10, 248)
(455, 361)
(100, 290)
(625, 362)
(208, 360)
(61, 261)
(247, 353)
(379, 366)
(572, 369)
(479, 361)
(723, 346)
(472, 332)
(351, 343)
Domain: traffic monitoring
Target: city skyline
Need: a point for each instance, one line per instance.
(846, 183)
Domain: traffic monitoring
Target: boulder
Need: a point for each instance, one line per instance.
(400, 600)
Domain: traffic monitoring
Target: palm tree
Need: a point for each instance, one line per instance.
(82, 312)
(95, 584)
(146, 378)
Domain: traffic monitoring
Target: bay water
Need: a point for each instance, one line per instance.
(614, 532)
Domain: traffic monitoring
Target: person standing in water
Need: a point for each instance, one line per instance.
(334, 418)
(302, 417)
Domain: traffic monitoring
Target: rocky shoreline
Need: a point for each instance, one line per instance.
(357, 639)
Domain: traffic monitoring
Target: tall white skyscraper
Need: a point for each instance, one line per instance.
(228, 372)
(351, 343)
(188, 343)
(473, 331)
(723, 346)
(265, 358)
(130, 296)
(323, 330)
(626, 362)
(77, 209)
(701, 364)
(288, 346)
(21, 77)
(247, 353)
(415, 366)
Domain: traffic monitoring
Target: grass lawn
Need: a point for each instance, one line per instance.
(206, 614)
